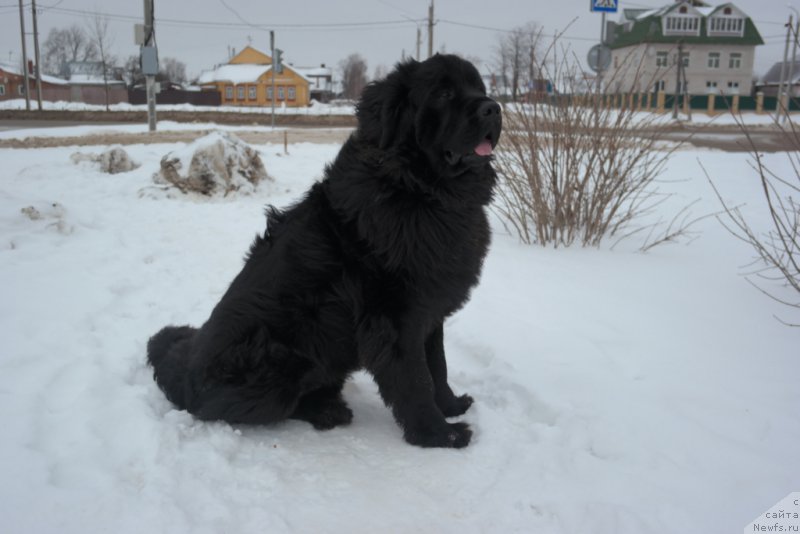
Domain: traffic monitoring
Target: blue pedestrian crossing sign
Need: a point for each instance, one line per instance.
(605, 6)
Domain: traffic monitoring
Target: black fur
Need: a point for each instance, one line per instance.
(359, 274)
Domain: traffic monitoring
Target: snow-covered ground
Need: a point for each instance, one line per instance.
(698, 116)
(614, 391)
(316, 108)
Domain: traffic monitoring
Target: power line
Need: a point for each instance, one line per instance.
(238, 25)
(504, 30)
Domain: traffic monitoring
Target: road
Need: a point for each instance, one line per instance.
(723, 137)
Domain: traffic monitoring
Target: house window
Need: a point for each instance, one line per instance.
(662, 59)
(659, 86)
(713, 60)
(2, 89)
(240, 92)
(726, 25)
(682, 25)
(269, 93)
(735, 61)
(228, 92)
(251, 92)
(727, 11)
(733, 88)
(684, 59)
(280, 93)
(292, 93)
(21, 89)
(711, 87)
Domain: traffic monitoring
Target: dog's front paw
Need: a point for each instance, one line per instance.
(451, 435)
(455, 405)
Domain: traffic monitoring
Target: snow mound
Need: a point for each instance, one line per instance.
(53, 215)
(113, 161)
(219, 163)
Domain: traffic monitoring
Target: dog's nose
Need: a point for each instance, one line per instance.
(489, 107)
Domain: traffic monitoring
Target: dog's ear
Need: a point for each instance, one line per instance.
(384, 113)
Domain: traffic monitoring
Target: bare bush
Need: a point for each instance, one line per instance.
(778, 248)
(577, 170)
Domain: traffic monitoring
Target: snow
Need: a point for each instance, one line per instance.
(235, 74)
(615, 391)
(316, 108)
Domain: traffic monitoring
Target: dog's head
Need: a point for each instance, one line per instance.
(437, 107)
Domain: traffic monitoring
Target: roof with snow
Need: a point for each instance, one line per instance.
(645, 26)
(773, 75)
(235, 74)
(11, 69)
(240, 73)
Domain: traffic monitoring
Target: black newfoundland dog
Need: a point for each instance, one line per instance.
(361, 273)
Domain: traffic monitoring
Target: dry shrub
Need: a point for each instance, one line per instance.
(575, 170)
(778, 248)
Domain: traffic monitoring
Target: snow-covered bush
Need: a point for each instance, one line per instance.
(219, 163)
(113, 161)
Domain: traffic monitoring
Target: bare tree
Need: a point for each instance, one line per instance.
(173, 70)
(517, 58)
(354, 76)
(132, 71)
(380, 72)
(103, 40)
(64, 45)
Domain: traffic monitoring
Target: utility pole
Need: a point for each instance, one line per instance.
(272, 71)
(149, 60)
(24, 57)
(430, 29)
(419, 41)
(677, 81)
(36, 55)
(790, 76)
(781, 104)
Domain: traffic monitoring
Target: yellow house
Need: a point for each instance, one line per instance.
(246, 80)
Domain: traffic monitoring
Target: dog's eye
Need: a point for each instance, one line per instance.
(447, 94)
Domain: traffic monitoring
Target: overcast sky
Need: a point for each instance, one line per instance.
(312, 32)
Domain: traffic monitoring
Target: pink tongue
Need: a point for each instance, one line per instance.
(484, 148)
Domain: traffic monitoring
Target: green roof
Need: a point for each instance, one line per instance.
(649, 30)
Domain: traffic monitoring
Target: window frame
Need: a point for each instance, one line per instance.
(714, 60)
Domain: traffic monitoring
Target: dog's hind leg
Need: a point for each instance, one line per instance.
(324, 408)
(261, 386)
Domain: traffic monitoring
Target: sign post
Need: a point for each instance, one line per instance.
(603, 7)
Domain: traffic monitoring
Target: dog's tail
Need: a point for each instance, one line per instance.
(168, 354)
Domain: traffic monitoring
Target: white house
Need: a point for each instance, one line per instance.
(718, 49)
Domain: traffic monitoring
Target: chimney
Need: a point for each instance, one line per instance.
(30, 67)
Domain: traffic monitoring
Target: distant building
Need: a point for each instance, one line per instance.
(718, 42)
(320, 82)
(769, 83)
(86, 84)
(12, 84)
(246, 80)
